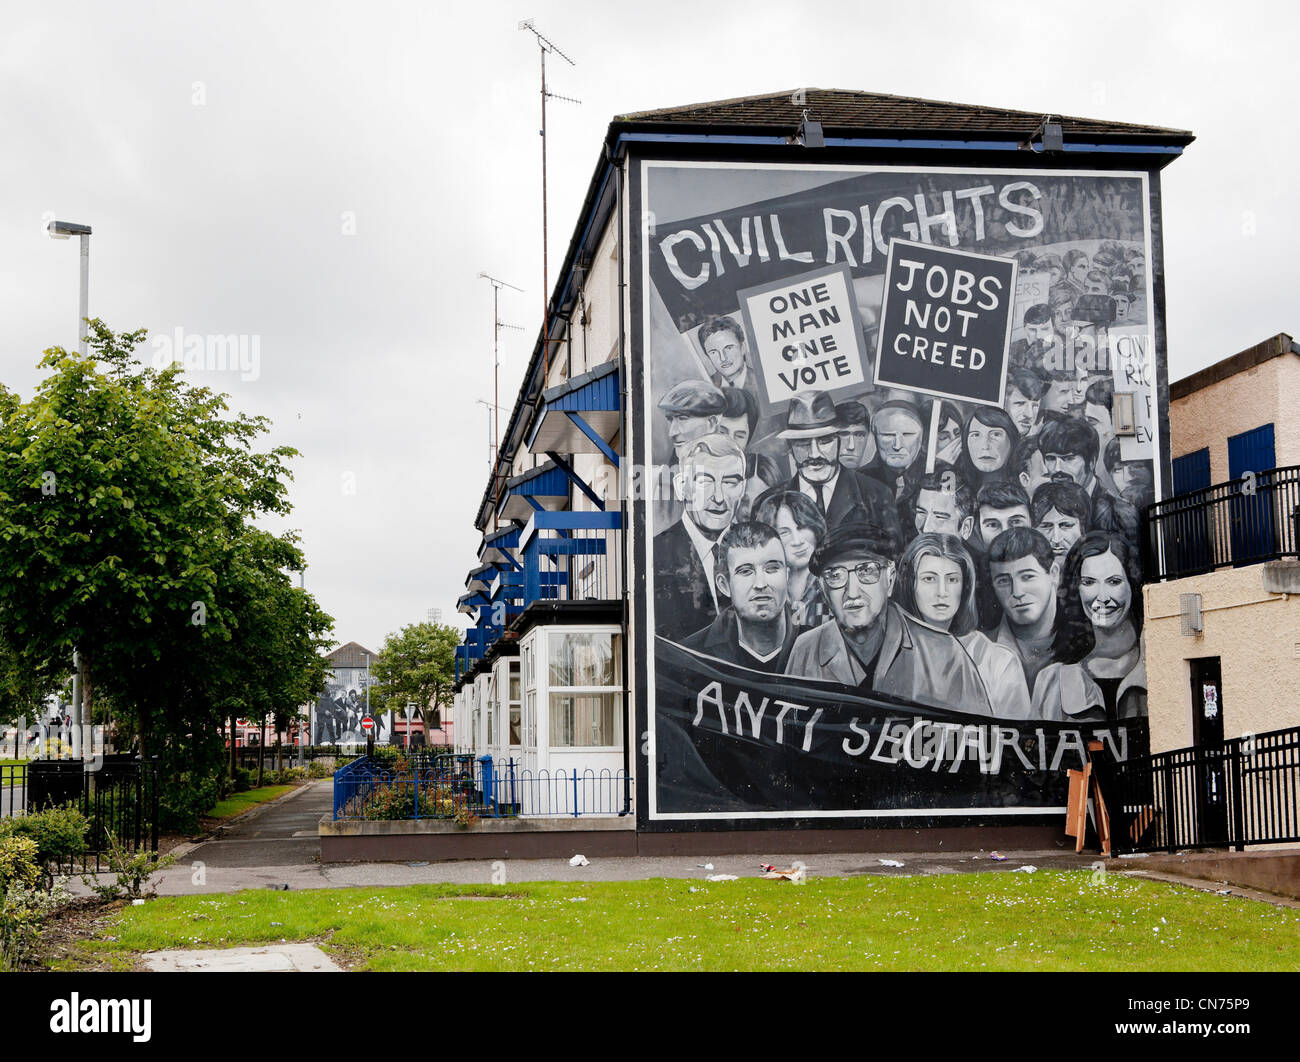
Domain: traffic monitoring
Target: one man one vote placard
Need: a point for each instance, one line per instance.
(807, 333)
(946, 322)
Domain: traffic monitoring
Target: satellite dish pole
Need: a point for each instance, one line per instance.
(546, 46)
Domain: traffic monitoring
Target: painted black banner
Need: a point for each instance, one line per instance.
(733, 741)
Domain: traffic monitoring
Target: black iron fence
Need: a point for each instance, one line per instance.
(117, 794)
(1244, 521)
(1245, 791)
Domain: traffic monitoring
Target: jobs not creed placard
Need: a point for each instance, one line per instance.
(946, 322)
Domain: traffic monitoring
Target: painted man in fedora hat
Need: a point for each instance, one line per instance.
(812, 431)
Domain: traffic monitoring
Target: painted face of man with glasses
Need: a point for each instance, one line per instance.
(858, 586)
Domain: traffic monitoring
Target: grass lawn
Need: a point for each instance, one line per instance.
(1051, 920)
(237, 802)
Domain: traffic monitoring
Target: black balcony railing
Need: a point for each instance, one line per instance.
(1244, 521)
(1244, 791)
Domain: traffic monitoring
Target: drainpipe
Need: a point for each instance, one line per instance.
(629, 734)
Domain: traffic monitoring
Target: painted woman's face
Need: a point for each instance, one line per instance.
(938, 590)
(1104, 591)
(988, 447)
(798, 542)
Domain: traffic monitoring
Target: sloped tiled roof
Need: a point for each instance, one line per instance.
(351, 655)
(842, 110)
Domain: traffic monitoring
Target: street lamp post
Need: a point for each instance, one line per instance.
(62, 230)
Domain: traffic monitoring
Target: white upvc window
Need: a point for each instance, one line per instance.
(584, 688)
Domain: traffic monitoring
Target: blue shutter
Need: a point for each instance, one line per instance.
(1254, 535)
(1192, 471)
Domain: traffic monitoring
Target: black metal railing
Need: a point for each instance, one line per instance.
(117, 794)
(1244, 521)
(1245, 791)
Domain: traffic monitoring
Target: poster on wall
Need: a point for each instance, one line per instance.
(336, 718)
(891, 559)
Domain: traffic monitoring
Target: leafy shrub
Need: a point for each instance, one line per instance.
(133, 871)
(183, 798)
(242, 779)
(19, 864)
(396, 799)
(58, 833)
(319, 769)
(22, 910)
(292, 774)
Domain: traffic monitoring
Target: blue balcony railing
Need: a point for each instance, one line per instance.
(571, 556)
(439, 785)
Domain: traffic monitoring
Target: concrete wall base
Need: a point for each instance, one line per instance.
(379, 842)
(1275, 872)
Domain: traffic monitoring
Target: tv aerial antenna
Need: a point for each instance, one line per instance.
(545, 45)
(497, 325)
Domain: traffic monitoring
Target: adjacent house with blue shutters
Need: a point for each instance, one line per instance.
(1222, 618)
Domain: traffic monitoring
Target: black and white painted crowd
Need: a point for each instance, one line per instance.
(1005, 583)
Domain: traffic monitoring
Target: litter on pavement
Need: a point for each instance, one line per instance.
(579, 861)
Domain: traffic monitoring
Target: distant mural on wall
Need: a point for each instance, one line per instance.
(341, 707)
(901, 424)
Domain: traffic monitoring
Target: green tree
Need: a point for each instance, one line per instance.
(127, 507)
(415, 665)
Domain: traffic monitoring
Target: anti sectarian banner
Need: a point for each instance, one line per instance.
(731, 742)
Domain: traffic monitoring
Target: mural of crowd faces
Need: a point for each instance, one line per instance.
(737, 428)
(992, 521)
(949, 440)
(1062, 530)
(854, 446)
(938, 589)
(797, 542)
(685, 428)
(1065, 467)
(988, 445)
(1063, 318)
(816, 459)
(1104, 591)
(755, 580)
(712, 488)
(898, 437)
(1022, 409)
(1078, 265)
(1034, 474)
(1101, 420)
(1064, 394)
(939, 511)
(1023, 588)
(726, 350)
(857, 586)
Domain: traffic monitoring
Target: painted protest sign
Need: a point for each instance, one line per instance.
(807, 333)
(1132, 361)
(946, 322)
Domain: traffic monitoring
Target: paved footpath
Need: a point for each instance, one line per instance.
(277, 844)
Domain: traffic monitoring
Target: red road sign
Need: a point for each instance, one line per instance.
(367, 724)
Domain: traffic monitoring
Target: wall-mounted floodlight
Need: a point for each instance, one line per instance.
(810, 133)
(1049, 136)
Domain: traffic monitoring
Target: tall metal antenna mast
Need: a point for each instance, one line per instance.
(545, 46)
(497, 325)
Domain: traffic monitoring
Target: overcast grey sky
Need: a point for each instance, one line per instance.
(329, 179)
